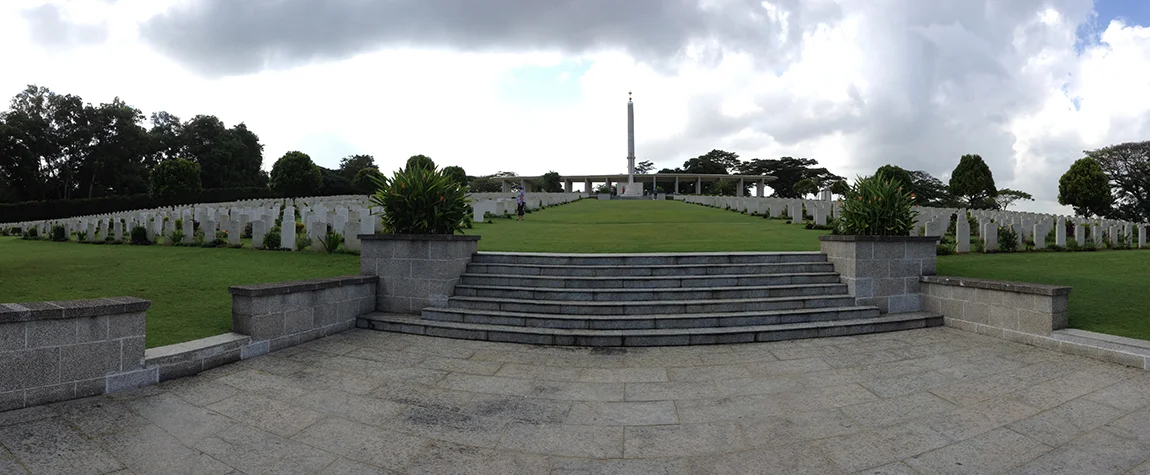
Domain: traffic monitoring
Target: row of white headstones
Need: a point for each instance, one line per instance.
(936, 221)
(348, 216)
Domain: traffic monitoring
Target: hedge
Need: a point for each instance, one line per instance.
(39, 210)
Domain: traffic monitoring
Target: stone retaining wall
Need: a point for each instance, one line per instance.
(1021, 307)
(882, 271)
(288, 313)
(192, 357)
(55, 351)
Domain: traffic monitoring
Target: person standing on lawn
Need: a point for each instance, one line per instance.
(520, 203)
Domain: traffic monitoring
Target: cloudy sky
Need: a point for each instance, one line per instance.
(537, 85)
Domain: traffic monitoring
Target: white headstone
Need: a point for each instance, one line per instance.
(287, 229)
(990, 237)
(235, 230)
(1060, 232)
(962, 234)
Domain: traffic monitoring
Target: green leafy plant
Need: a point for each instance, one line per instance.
(176, 237)
(272, 239)
(1007, 239)
(331, 242)
(302, 241)
(877, 206)
(420, 200)
(139, 236)
(59, 233)
(82, 236)
(31, 233)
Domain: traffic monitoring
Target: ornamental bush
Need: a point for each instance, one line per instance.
(877, 206)
(419, 200)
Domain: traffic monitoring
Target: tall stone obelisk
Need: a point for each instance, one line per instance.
(631, 188)
(630, 140)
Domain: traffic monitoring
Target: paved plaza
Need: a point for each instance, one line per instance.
(926, 401)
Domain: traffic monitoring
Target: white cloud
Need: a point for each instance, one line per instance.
(917, 87)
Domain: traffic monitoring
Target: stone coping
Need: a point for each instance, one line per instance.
(418, 237)
(869, 238)
(1005, 286)
(165, 354)
(29, 311)
(276, 288)
(647, 254)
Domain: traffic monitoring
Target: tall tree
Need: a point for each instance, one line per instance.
(488, 183)
(1086, 188)
(350, 165)
(295, 175)
(228, 158)
(421, 161)
(973, 181)
(715, 162)
(644, 167)
(1007, 197)
(457, 174)
(174, 179)
(550, 182)
(1127, 165)
(788, 172)
(166, 135)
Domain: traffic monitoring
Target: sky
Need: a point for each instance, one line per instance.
(533, 86)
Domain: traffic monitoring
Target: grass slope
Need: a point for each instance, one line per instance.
(1110, 288)
(188, 286)
(642, 226)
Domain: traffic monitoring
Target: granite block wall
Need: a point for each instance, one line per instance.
(415, 271)
(1035, 309)
(288, 313)
(882, 271)
(55, 351)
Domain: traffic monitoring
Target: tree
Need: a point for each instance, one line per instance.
(334, 183)
(551, 182)
(228, 158)
(807, 186)
(896, 173)
(422, 161)
(930, 191)
(488, 183)
(1127, 166)
(1007, 197)
(644, 167)
(176, 179)
(350, 165)
(295, 175)
(715, 162)
(973, 181)
(1086, 188)
(166, 136)
(363, 182)
(788, 172)
(840, 187)
(457, 174)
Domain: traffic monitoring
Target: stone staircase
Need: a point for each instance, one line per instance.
(648, 300)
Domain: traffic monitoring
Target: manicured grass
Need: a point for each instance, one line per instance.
(188, 286)
(1111, 289)
(642, 226)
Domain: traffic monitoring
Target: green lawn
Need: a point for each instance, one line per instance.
(642, 226)
(1111, 289)
(188, 286)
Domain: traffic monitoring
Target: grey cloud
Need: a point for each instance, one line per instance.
(50, 29)
(223, 37)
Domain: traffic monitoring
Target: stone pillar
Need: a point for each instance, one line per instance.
(506, 186)
(882, 271)
(587, 186)
(699, 186)
(759, 188)
(742, 188)
(676, 185)
(415, 271)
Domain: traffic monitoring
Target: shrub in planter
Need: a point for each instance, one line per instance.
(139, 236)
(420, 200)
(877, 206)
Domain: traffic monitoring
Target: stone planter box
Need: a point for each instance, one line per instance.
(415, 270)
(883, 271)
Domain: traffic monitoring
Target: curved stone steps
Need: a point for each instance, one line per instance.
(649, 306)
(607, 270)
(647, 337)
(648, 282)
(652, 294)
(652, 321)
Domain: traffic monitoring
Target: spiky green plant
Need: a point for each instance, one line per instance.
(418, 200)
(877, 206)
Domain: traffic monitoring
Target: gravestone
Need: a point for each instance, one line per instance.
(258, 233)
(990, 237)
(1080, 234)
(1060, 232)
(287, 229)
(1039, 236)
(962, 234)
(235, 230)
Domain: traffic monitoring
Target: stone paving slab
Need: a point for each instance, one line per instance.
(926, 401)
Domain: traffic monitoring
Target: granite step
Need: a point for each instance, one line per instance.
(637, 295)
(650, 306)
(678, 270)
(649, 282)
(647, 259)
(647, 337)
(629, 322)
